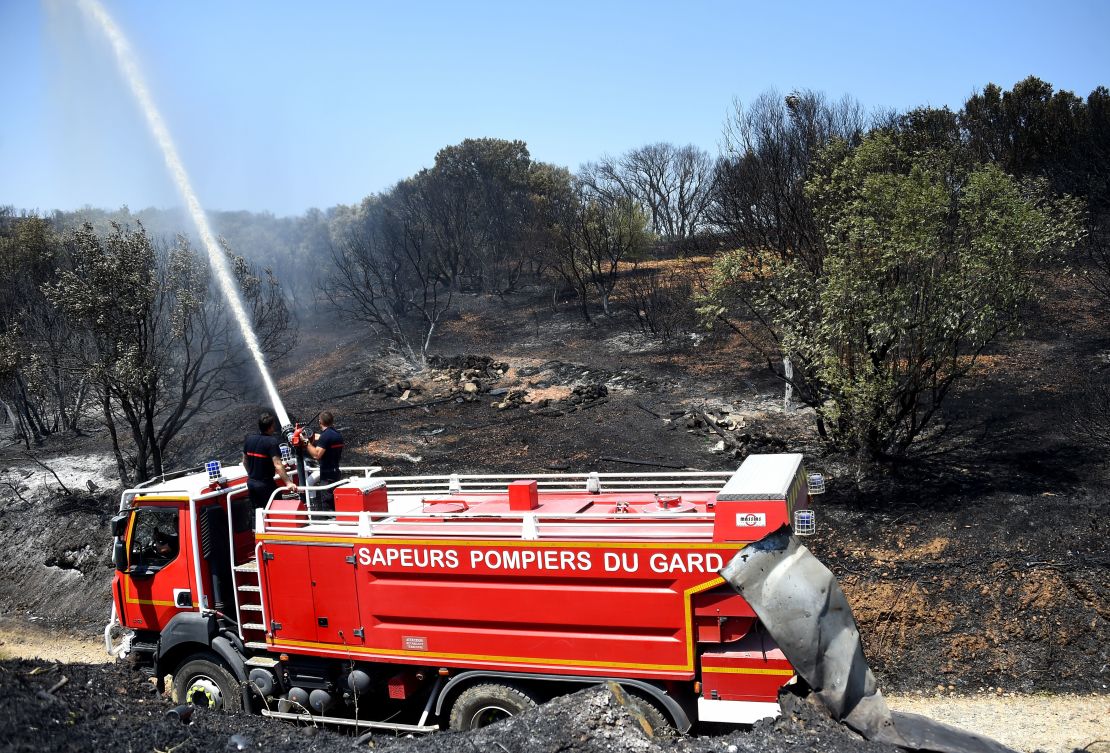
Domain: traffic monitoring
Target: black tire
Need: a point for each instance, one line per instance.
(658, 719)
(204, 681)
(485, 704)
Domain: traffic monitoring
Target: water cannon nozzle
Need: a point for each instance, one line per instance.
(287, 432)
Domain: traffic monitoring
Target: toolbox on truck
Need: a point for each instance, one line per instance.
(361, 495)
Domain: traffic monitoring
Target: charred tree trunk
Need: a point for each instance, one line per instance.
(110, 423)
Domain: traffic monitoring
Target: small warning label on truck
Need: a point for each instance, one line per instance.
(751, 519)
(415, 643)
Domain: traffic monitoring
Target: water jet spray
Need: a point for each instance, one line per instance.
(129, 68)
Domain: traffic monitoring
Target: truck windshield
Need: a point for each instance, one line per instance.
(154, 538)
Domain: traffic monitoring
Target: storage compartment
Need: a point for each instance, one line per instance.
(524, 495)
(361, 495)
(752, 669)
(721, 616)
(275, 518)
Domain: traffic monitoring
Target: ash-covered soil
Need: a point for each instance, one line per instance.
(983, 565)
(109, 707)
(55, 546)
(986, 595)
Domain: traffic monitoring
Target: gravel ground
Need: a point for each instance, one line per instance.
(1052, 723)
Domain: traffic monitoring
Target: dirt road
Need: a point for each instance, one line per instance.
(20, 639)
(1052, 723)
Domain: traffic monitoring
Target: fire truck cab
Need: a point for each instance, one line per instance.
(424, 602)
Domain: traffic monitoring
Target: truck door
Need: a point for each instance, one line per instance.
(158, 581)
(335, 595)
(288, 592)
(312, 594)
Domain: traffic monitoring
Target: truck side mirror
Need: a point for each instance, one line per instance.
(119, 524)
(119, 553)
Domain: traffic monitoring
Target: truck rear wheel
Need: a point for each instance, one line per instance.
(657, 719)
(203, 681)
(485, 704)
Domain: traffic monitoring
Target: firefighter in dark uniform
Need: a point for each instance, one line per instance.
(262, 459)
(327, 449)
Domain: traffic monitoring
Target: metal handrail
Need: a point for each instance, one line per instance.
(539, 476)
(490, 517)
(684, 479)
(513, 524)
(547, 484)
(261, 596)
(593, 481)
(368, 470)
(169, 476)
(321, 488)
(231, 555)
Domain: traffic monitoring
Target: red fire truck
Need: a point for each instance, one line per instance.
(423, 602)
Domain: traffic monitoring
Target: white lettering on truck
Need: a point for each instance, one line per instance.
(423, 559)
(688, 562)
(519, 559)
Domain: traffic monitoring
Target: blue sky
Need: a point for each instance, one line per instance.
(281, 106)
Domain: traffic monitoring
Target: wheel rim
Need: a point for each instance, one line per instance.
(488, 715)
(203, 691)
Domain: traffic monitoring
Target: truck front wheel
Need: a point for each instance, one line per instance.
(202, 681)
(485, 704)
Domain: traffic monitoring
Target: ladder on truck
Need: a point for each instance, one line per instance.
(248, 600)
(246, 589)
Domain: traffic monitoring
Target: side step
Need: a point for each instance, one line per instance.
(261, 661)
(253, 626)
(310, 719)
(251, 589)
(250, 567)
(251, 607)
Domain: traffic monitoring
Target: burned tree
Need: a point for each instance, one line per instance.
(387, 273)
(478, 206)
(898, 265)
(38, 393)
(263, 295)
(662, 301)
(672, 184)
(162, 347)
(761, 208)
(593, 232)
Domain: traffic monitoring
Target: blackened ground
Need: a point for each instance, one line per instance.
(109, 707)
(55, 548)
(984, 565)
(1008, 592)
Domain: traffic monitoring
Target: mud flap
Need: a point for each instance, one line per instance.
(802, 606)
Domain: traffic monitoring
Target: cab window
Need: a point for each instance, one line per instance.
(154, 538)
